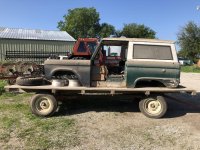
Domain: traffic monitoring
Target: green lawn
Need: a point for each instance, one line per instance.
(2, 84)
(193, 69)
(20, 129)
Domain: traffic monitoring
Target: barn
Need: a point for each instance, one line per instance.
(33, 45)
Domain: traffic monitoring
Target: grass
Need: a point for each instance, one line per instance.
(2, 84)
(20, 129)
(192, 69)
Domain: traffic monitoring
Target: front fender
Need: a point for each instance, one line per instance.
(51, 70)
(81, 68)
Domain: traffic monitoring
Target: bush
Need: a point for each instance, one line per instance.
(194, 69)
(2, 84)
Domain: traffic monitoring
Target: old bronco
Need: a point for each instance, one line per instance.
(121, 62)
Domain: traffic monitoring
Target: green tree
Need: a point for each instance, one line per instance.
(106, 30)
(189, 41)
(181, 53)
(81, 22)
(134, 30)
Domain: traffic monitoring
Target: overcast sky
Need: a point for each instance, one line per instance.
(166, 17)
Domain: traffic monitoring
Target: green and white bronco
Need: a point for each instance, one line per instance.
(122, 62)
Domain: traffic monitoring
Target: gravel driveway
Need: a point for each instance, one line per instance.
(191, 80)
(116, 123)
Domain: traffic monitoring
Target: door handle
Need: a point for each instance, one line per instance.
(163, 70)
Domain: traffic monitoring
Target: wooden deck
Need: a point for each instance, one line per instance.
(83, 90)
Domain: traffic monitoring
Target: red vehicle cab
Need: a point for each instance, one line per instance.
(85, 47)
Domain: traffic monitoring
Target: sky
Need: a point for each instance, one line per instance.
(166, 17)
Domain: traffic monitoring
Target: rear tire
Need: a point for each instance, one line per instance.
(153, 107)
(43, 105)
(27, 81)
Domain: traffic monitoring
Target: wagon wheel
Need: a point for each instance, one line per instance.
(153, 107)
(43, 105)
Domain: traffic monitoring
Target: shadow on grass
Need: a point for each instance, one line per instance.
(82, 104)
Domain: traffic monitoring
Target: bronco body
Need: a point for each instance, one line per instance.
(121, 62)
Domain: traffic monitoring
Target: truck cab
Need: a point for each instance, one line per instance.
(84, 48)
(121, 62)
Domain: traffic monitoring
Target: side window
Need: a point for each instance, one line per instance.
(152, 52)
(81, 47)
(112, 50)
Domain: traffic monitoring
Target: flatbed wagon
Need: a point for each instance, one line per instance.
(152, 100)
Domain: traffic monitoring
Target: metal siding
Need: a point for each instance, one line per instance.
(24, 46)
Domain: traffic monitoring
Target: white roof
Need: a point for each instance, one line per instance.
(139, 40)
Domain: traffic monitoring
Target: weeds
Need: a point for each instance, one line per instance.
(194, 69)
(2, 84)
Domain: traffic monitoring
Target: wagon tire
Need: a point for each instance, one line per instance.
(43, 105)
(153, 107)
(27, 81)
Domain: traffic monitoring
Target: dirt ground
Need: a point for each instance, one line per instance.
(116, 123)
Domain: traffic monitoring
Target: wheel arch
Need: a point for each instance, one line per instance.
(159, 80)
(67, 71)
(63, 70)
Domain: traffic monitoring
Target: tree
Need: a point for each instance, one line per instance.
(189, 41)
(106, 30)
(134, 30)
(81, 22)
(181, 53)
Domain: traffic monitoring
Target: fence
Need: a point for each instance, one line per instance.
(36, 56)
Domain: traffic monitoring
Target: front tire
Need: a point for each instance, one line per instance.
(153, 107)
(43, 105)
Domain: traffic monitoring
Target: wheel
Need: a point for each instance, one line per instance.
(43, 105)
(27, 81)
(153, 107)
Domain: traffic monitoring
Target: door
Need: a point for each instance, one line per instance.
(108, 66)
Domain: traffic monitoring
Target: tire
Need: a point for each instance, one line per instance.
(43, 105)
(153, 107)
(11, 81)
(27, 81)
